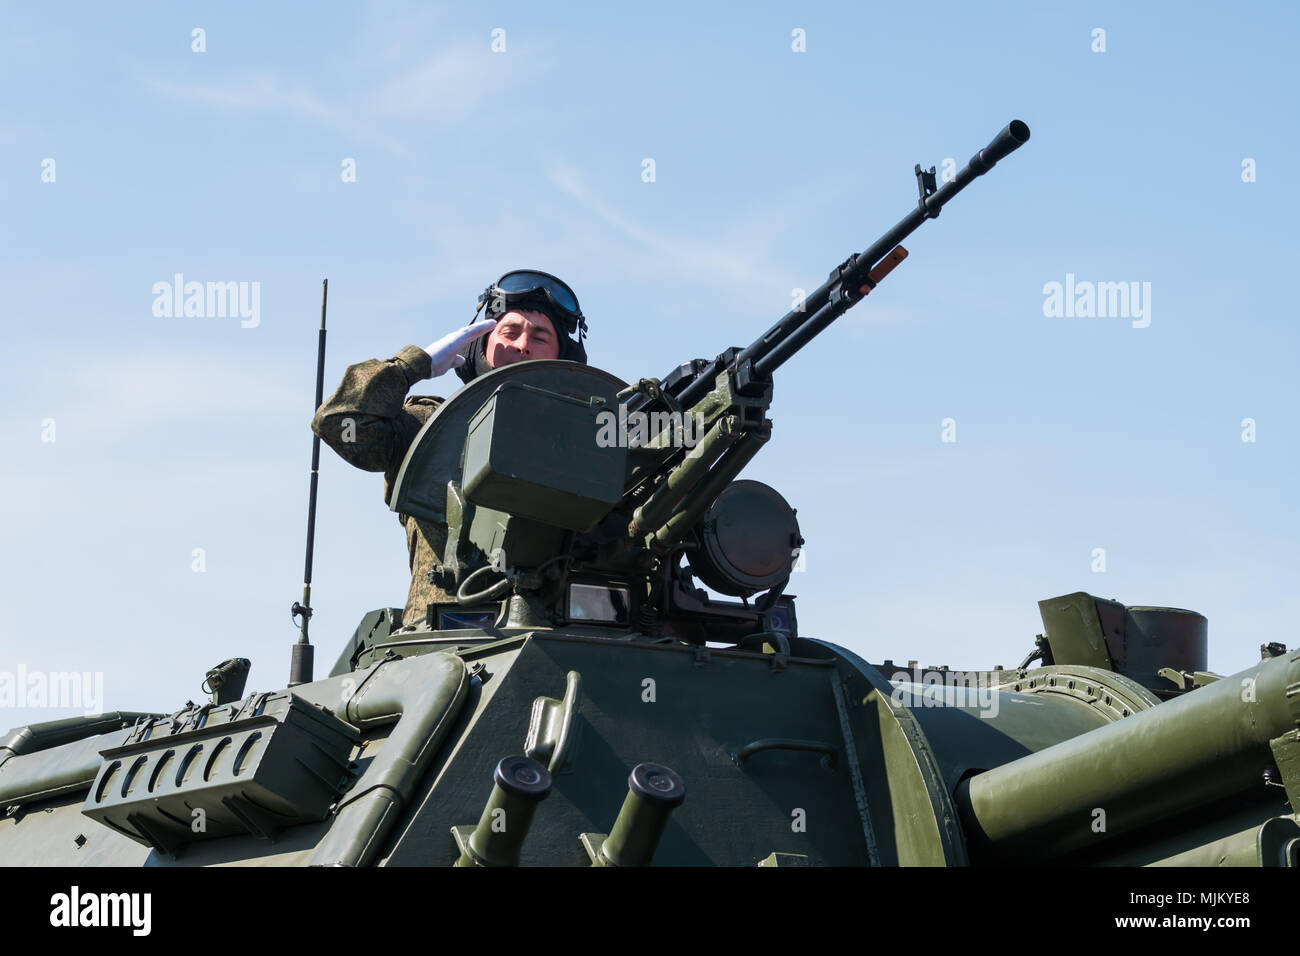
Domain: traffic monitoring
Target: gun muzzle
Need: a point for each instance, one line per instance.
(1014, 135)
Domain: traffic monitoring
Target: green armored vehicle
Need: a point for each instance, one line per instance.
(617, 678)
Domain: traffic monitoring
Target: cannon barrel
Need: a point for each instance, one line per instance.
(1185, 753)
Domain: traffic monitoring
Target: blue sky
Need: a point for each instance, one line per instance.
(771, 166)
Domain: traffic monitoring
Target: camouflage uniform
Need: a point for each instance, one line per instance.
(370, 407)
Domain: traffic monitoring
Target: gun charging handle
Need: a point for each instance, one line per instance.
(519, 784)
(653, 792)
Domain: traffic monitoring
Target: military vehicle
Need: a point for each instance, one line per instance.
(622, 681)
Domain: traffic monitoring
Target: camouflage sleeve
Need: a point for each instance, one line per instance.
(366, 420)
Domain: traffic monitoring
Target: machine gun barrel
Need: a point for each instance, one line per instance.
(851, 279)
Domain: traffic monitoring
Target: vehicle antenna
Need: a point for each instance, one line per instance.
(301, 665)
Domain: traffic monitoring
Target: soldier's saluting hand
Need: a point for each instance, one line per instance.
(445, 352)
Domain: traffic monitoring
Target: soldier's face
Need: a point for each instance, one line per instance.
(521, 336)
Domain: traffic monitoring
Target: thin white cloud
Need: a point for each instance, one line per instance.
(262, 91)
(448, 86)
(111, 398)
(442, 89)
(688, 257)
(258, 90)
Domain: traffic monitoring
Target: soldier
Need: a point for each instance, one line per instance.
(371, 423)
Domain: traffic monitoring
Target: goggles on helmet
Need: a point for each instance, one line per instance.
(522, 285)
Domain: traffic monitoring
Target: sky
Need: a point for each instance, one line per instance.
(956, 448)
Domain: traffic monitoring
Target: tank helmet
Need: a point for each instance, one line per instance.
(532, 290)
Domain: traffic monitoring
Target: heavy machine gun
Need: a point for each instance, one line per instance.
(577, 497)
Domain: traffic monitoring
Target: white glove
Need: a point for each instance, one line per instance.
(445, 351)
